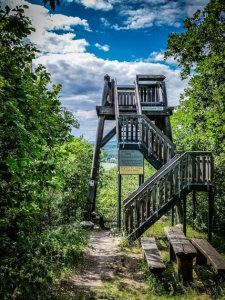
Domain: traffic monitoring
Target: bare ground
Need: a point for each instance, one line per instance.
(106, 262)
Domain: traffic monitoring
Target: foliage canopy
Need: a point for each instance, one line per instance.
(33, 128)
(198, 123)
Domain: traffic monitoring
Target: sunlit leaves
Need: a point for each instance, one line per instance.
(198, 123)
(32, 126)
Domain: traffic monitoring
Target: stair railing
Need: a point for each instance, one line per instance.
(138, 129)
(126, 95)
(190, 169)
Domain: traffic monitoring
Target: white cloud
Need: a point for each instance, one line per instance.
(95, 4)
(105, 22)
(159, 57)
(102, 47)
(85, 115)
(160, 13)
(49, 41)
(140, 18)
(63, 22)
(82, 79)
(54, 43)
(45, 38)
(81, 73)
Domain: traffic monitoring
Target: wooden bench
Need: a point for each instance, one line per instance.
(182, 251)
(151, 252)
(205, 252)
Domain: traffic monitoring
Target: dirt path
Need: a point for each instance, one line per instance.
(100, 260)
(106, 263)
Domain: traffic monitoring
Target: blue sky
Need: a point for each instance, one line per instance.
(82, 40)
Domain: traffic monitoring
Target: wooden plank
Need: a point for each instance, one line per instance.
(210, 253)
(181, 245)
(183, 250)
(154, 260)
(125, 87)
(150, 77)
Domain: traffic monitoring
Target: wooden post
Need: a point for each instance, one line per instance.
(167, 127)
(90, 203)
(172, 217)
(185, 215)
(200, 258)
(210, 213)
(119, 203)
(92, 188)
(194, 202)
(141, 179)
(172, 253)
(185, 269)
(184, 251)
(166, 120)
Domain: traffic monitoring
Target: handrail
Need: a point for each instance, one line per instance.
(140, 129)
(190, 169)
(195, 167)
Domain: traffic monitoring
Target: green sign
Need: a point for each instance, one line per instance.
(131, 162)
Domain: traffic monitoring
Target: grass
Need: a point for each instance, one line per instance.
(147, 287)
(133, 281)
(203, 287)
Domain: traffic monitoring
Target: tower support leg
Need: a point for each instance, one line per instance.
(119, 203)
(92, 188)
(185, 215)
(210, 214)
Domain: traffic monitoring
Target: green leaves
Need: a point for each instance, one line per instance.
(204, 36)
(33, 126)
(198, 123)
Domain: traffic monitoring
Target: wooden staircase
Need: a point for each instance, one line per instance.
(142, 120)
(177, 175)
(170, 184)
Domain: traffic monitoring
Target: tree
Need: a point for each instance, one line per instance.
(32, 124)
(76, 171)
(107, 194)
(198, 123)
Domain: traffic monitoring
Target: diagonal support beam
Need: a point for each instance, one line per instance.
(108, 137)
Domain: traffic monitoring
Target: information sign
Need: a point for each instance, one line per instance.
(150, 108)
(131, 162)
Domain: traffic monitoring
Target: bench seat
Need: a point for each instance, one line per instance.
(205, 251)
(152, 255)
(182, 251)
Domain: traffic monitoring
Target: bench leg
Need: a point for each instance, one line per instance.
(172, 254)
(185, 269)
(219, 277)
(200, 258)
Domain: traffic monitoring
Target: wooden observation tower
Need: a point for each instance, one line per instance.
(142, 127)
